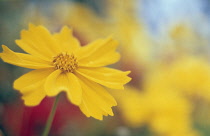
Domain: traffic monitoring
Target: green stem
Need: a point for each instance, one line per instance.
(51, 116)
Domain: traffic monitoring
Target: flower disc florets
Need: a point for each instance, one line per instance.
(65, 62)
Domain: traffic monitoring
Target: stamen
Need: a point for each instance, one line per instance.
(65, 62)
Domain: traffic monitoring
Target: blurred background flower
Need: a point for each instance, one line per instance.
(164, 43)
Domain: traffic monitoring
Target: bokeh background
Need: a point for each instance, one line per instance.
(165, 43)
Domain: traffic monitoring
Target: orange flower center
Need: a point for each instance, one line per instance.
(65, 62)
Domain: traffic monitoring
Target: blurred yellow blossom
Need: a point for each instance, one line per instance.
(166, 112)
(118, 20)
(63, 65)
(190, 75)
(134, 106)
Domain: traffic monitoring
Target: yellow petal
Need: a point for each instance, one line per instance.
(88, 108)
(75, 90)
(108, 77)
(96, 100)
(23, 60)
(66, 40)
(99, 53)
(39, 42)
(34, 96)
(31, 26)
(30, 86)
(31, 78)
(57, 82)
(45, 38)
(53, 85)
(107, 59)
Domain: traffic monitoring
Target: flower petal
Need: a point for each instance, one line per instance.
(75, 90)
(89, 109)
(31, 86)
(96, 100)
(31, 78)
(39, 42)
(53, 86)
(99, 53)
(66, 40)
(107, 59)
(23, 60)
(35, 96)
(108, 77)
(57, 82)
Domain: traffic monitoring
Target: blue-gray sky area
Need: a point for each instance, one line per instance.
(161, 14)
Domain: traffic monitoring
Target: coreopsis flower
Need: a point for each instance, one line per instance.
(61, 64)
(189, 75)
(165, 111)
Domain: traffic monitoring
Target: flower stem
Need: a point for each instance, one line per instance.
(51, 116)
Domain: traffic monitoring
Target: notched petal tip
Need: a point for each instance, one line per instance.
(115, 103)
(67, 29)
(31, 26)
(23, 33)
(34, 96)
(110, 114)
(3, 45)
(127, 79)
(6, 52)
(100, 115)
(17, 41)
(128, 72)
(5, 48)
(27, 102)
(100, 118)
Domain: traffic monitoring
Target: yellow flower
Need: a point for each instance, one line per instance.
(133, 105)
(61, 64)
(190, 75)
(163, 110)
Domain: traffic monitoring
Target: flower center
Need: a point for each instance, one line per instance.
(65, 62)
